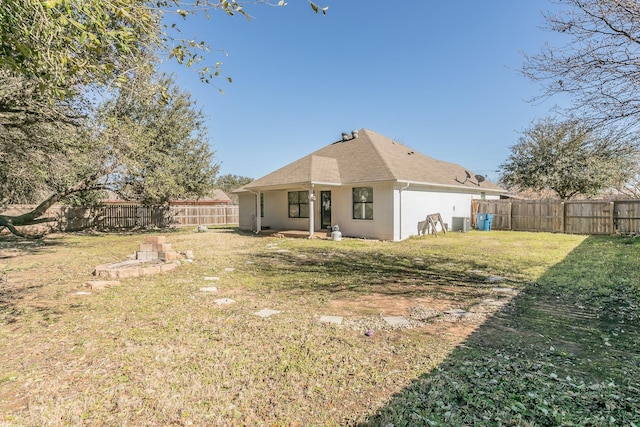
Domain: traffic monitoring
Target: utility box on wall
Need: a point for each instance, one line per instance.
(460, 223)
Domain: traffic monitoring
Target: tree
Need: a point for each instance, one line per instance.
(66, 44)
(568, 158)
(230, 182)
(32, 129)
(631, 188)
(599, 66)
(146, 142)
(162, 143)
(141, 144)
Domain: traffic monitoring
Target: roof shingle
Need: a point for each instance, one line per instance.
(370, 157)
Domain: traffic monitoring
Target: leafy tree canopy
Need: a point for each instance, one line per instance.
(142, 145)
(568, 158)
(230, 182)
(63, 44)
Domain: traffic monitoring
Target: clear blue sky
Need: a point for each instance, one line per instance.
(440, 76)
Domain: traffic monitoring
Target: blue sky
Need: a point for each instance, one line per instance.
(438, 76)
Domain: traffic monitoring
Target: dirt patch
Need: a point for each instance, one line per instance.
(428, 315)
(10, 253)
(385, 305)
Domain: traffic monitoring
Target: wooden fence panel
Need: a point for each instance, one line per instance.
(204, 214)
(626, 216)
(588, 217)
(574, 216)
(114, 216)
(501, 210)
(537, 215)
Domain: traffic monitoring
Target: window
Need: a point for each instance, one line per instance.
(363, 203)
(298, 204)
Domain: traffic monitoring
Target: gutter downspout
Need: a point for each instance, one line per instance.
(312, 199)
(400, 208)
(258, 212)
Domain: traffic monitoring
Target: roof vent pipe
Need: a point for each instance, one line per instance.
(345, 136)
(354, 134)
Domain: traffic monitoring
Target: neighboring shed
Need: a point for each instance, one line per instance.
(369, 185)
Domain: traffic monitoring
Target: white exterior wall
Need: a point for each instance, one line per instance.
(413, 204)
(246, 211)
(276, 215)
(396, 212)
(381, 227)
(276, 212)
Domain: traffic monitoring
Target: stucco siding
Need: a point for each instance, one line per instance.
(396, 211)
(414, 204)
(380, 227)
(247, 211)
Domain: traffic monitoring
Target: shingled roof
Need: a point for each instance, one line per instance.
(367, 157)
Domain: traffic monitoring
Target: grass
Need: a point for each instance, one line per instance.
(158, 351)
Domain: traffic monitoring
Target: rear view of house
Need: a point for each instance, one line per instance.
(368, 184)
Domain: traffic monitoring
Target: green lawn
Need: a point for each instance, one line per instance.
(159, 351)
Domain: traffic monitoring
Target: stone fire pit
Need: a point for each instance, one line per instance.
(155, 256)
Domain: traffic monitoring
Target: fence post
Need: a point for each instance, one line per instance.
(612, 218)
(564, 217)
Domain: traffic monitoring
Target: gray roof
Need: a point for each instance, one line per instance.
(369, 158)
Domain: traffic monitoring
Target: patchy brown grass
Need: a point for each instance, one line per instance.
(158, 351)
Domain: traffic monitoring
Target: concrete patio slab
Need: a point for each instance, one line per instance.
(224, 301)
(209, 289)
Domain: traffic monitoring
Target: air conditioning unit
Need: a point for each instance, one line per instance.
(460, 223)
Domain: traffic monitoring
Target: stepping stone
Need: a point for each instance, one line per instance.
(210, 278)
(229, 269)
(495, 279)
(83, 293)
(397, 321)
(224, 301)
(505, 290)
(209, 289)
(336, 320)
(282, 251)
(266, 312)
(455, 312)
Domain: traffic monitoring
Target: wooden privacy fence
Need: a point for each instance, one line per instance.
(556, 216)
(196, 214)
(114, 216)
